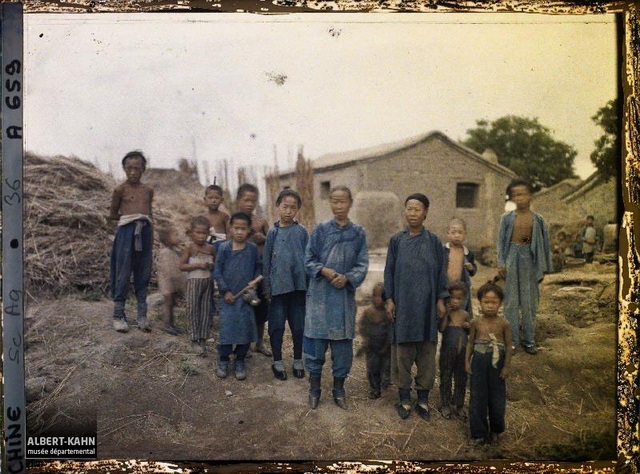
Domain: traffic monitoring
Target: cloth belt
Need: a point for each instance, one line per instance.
(141, 220)
(493, 345)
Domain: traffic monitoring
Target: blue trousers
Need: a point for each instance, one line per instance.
(341, 356)
(125, 260)
(452, 371)
(288, 307)
(521, 294)
(225, 351)
(488, 395)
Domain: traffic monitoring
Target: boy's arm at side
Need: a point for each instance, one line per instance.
(443, 323)
(506, 369)
(470, 343)
(116, 199)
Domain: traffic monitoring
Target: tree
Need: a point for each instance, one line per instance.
(526, 147)
(606, 156)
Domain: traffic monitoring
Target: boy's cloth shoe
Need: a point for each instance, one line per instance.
(143, 325)
(531, 350)
(313, 401)
(338, 392)
(423, 411)
(240, 370)
(494, 438)
(477, 441)
(298, 369)
(120, 325)
(278, 371)
(223, 370)
(403, 411)
(374, 394)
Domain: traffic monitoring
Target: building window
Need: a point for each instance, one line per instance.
(325, 189)
(467, 195)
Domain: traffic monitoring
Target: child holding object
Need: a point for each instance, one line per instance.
(285, 281)
(132, 247)
(238, 264)
(246, 201)
(524, 256)
(197, 259)
(218, 220)
(374, 328)
(171, 281)
(488, 363)
(336, 261)
(454, 328)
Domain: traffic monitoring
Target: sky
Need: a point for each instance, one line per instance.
(251, 89)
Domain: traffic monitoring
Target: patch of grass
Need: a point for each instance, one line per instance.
(188, 368)
(586, 446)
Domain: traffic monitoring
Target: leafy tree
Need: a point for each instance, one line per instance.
(606, 156)
(526, 147)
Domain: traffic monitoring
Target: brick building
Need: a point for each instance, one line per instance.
(458, 181)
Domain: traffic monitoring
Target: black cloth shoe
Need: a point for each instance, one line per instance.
(339, 394)
(374, 394)
(279, 374)
(531, 350)
(314, 392)
(402, 411)
(298, 373)
(423, 412)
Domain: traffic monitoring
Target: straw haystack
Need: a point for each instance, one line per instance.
(67, 236)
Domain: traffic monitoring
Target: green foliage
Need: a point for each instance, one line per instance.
(526, 147)
(586, 446)
(607, 154)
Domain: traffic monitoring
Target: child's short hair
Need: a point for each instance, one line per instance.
(214, 187)
(341, 187)
(200, 220)
(164, 232)
(489, 287)
(135, 154)
(457, 220)
(291, 193)
(518, 182)
(457, 286)
(247, 188)
(240, 216)
(591, 217)
(418, 197)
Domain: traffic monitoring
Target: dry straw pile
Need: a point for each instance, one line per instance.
(67, 237)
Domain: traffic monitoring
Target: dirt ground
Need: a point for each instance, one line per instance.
(151, 398)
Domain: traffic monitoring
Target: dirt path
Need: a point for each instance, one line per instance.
(152, 398)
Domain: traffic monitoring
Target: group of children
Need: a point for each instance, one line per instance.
(282, 274)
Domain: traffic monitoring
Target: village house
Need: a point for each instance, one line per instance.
(458, 181)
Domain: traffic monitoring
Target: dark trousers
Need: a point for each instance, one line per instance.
(225, 351)
(488, 395)
(288, 307)
(452, 354)
(125, 260)
(378, 367)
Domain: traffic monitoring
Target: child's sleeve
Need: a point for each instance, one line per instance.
(218, 271)
(266, 261)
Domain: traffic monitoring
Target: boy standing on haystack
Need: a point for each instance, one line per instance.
(132, 246)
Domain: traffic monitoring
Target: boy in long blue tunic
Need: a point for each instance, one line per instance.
(336, 261)
(285, 281)
(524, 257)
(237, 264)
(415, 284)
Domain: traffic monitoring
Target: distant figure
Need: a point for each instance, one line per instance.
(561, 247)
(171, 281)
(374, 328)
(285, 281)
(131, 205)
(218, 220)
(488, 361)
(577, 246)
(524, 257)
(415, 285)
(589, 238)
(337, 261)
(246, 201)
(197, 260)
(238, 264)
(460, 261)
(454, 328)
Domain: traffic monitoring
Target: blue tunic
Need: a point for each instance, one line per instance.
(331, 312)
(415, 278)
(233, 270)
(283, 259)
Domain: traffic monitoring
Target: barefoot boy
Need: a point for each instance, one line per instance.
(171, 281)
(524, 257)
(454, 328)
(488, 363)
(131, 253)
